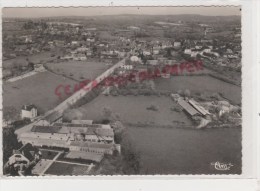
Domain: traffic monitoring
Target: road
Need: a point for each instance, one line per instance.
(49, 164)
(75, 97)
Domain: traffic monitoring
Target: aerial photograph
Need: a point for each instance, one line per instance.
(121, 91)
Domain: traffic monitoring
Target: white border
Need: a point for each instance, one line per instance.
(251, 104)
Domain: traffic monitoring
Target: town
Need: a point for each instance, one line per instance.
(87, 95)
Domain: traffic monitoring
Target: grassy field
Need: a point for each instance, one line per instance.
(78, 70)
(48, 154)
(67, 169)
(35, 58)
(200, 84)
(132, 109)
(38, 89)
(187, 151)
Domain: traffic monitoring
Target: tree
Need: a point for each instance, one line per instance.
(107, 113)
(10, 113)
(180, 92)
(73, 114)
(187, 93)
(10, 143)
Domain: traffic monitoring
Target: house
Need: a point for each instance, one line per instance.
(29, 111)
(152, 62)
(177, 44)
(127, 66)
(156, 50)
(22, 158)
(187, 51)
(175, 97)
(74, 42)
(79, 57)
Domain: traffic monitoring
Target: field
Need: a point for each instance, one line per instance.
(186, 151)
(78, 70)
(38, 89)
(35, 58)
(47, 154)
(58, 168)
(132, 110)
(200, 84)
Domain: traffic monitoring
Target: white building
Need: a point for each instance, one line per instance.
(177, 44)
(29, 111)
(127, 67)
(187, 51)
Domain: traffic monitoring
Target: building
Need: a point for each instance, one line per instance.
(127, 66)
(53, 117)
(198, 107)
(187, 107)
(82, 140)
(29, 111)
(64, 133)
(87, 122)
(22, 158)
(92, 147)
(177, 44)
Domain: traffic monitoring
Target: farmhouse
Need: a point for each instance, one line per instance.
(29, 111)
(22, 158)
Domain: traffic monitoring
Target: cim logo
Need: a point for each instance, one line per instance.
(222, 166)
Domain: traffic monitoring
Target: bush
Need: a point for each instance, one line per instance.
(152, 108)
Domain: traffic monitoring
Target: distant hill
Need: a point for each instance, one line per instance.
(128, 19)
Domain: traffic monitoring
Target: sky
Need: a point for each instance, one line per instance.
(94, 11)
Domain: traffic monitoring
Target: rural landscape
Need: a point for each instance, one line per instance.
(122, 94)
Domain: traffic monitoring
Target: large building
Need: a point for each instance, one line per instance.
(83, 140)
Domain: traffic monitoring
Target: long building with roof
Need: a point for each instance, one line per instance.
(87, 141)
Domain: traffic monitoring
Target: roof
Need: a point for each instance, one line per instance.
(46, 129)
(187, 107)
(54, 116)
(28, 151)
(88, 122)
(77, 125)
(198, 107)
(46, 142)
(96, 157)
(105, 132)
(29, 107)
(86, 129)
(92, 145)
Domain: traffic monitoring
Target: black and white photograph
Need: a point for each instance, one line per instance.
(92, 91)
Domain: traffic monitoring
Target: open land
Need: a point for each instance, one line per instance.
(78, 70)
(38, 89)
(133, 110)
(60, 168)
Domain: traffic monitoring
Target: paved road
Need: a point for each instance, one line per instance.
(73, 163)
(73, 98)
